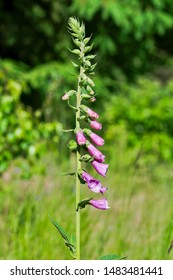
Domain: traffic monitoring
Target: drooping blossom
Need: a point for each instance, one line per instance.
(101, 204)
(95, 153)
(101, 168)
(96, 125)
(81, 140)
(94, 137)
(93, 184)
(97, 139)
(65, 96)
(89, 112)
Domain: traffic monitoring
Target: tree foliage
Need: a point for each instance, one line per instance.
(128, 34)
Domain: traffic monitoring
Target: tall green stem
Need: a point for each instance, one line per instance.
(78, 167)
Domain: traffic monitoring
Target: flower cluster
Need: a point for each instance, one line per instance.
(86, 92)
(96, 158)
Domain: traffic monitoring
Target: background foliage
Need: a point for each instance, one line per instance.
(132, 41)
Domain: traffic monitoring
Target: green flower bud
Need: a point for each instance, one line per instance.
(72, 145)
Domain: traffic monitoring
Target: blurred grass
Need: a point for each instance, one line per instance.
(139, 224)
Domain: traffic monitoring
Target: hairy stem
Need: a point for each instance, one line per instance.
(78, 166)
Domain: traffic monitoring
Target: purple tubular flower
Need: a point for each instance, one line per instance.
(92, 114)
(89, 112)
(81, 140)
(93, 184)
(101, 204)
(97, 139)
(96, 125)
(95, 153)
(101, 168)
(94, 137)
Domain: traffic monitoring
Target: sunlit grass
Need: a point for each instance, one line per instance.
(139, 224)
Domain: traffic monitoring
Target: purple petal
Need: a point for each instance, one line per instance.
(97, 139)
(81, 140)
(86, 177)
(101, 168)
(101, 204)
(96, 125)
(95, 153)
(93, 184)
(92, 114)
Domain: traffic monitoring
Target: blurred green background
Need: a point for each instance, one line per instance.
(133, 43)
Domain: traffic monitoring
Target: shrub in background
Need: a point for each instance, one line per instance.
(142, 115)
(22, 133)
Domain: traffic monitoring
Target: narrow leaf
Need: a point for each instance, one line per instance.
(87, 49)
(74, 64)
(75, 51)
(60, 230)
(86, 40)
(112, 257)
(67, 242)
(170, 247)
(69, 173)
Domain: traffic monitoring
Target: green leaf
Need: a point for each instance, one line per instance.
(83, 203)
(112, 257)
(60, 229)
(75, 65)
(69, 173)
(88, 49)
(75, 51)
(86, 40)
(67, 242)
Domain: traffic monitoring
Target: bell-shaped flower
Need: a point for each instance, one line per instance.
(93, 184)
(101, 204)
(96, 125)
(101, 168)
(97, 139)
(94, 137)
(89, 112)
(81, 140)
(95, 153)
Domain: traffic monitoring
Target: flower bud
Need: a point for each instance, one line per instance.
(89, 112)
(94, 137)
(72, 145)
(81, 140)
(86, 158)
(96, 125)
(98, 156)
(68, 94)
(92, 99)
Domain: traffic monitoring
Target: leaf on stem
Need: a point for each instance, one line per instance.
(67, 242)
(69, 173)
(83, 203)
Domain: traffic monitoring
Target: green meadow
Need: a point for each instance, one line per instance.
(139, 224)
